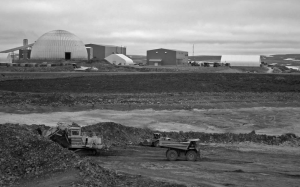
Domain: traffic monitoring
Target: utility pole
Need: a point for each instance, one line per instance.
(193, 53)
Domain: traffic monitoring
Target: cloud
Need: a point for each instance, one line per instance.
(215, 26)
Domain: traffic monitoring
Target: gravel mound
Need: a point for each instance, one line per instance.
(117, 134)
(25, 154)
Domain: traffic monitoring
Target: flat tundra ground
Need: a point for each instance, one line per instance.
(212, 103)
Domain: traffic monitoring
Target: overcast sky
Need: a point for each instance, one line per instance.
(215, 27)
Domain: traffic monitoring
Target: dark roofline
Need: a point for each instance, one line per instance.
(106, 45)
(17, 48)
(169, 50)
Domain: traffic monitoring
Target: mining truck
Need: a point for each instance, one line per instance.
(72, 137)
(154, 142)
(189, 149)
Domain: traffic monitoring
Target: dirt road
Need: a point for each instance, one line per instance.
(222, 165)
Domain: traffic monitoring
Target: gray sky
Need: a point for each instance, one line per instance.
(215, 26)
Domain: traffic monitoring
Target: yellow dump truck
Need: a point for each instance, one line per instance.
(189, 150)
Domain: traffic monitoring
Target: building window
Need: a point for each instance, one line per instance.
(166, 52)
(156, 52)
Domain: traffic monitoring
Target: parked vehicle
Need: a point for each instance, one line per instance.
(216, 64)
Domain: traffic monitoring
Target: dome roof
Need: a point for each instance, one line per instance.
(58, 44)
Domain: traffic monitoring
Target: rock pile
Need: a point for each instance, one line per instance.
(292, 139)
(25, 154)
(117, 134)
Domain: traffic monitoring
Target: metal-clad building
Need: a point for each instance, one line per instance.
(161, 57)
(102, 51)
(59, 44)
(242, 60)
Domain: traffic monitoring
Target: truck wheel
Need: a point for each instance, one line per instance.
(172, 155)
(191, 155)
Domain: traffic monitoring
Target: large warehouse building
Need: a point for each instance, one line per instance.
(161, 57)
(241, 60)
(102, 51)
(59, 44)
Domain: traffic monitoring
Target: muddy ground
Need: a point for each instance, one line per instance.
(211, 103)
(220, 165)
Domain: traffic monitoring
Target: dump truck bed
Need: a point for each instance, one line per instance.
(176, 145)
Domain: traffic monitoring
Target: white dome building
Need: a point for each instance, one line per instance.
(59, 44)
(119, 59)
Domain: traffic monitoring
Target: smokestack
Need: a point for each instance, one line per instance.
(25, 42)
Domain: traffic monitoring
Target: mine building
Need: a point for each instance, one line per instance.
(241, 60)
(59, 44)
(24, 51)
(102, 51)
(119, 59)
(162, 57)
(53, 45)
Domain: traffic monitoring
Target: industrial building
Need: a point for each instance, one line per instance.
(241, 60)
(53, 45)
(59, 44)
(24, 51)
(119, 59)
(5, 58)
(102, 51)
(162, 57)
(63, 45)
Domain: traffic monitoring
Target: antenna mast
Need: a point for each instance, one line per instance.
(193, 52)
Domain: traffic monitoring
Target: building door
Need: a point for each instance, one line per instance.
(67, 55)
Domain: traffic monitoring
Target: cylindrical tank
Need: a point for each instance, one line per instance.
(25, 42)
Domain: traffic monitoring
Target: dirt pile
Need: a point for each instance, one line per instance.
(286, 139)
(25, 154)
(117, 134)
